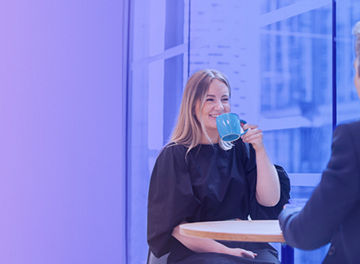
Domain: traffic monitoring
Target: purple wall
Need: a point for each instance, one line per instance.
(61, 132)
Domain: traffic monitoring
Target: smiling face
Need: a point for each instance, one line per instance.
(216, 102)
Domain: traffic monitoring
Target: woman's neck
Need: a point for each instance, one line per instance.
(214, 138)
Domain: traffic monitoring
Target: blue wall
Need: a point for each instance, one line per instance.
(61, 132)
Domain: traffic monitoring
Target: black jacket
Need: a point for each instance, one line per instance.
(332, 213)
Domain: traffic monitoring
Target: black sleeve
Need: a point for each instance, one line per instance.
(170, 201)
(258, 211)
(331, 200)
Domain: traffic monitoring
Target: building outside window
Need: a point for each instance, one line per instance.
(278, 56)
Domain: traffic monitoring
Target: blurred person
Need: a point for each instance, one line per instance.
(198, 177)
(332, 214)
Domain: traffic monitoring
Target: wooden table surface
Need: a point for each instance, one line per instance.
(236, 230)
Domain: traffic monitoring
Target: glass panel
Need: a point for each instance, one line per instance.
(173, 87)
(147, 29)
(156, 82)
(174, 30)
(296, 88)
(296, 91)
(267, 6)
(138, 171)
(278, 79)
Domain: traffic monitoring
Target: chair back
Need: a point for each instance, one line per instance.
(154, 260)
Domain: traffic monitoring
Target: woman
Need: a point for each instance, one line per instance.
(199, 177)
(332, 214)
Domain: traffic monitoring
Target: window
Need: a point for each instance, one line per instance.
(278, 56)
(158, 68)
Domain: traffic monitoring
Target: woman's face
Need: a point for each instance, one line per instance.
(356, 77)
(216, 103)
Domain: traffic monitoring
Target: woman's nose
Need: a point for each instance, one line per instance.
(219, 106)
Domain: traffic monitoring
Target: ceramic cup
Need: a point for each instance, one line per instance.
(229, 126)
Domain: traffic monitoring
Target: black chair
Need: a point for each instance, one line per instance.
(154, 260)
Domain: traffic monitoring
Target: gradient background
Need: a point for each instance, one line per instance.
(62, 139)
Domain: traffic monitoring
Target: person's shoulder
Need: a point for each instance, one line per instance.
(174, 150)
(352, 127)
(172, 157)
(353, 124)
(347, 136)
(174, 147)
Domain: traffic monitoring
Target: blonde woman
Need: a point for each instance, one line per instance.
(332, 214)
(198, 177)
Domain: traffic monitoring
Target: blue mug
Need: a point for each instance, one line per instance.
(229, 126)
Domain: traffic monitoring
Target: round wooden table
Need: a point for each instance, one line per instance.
(241, 230)
(236, 230)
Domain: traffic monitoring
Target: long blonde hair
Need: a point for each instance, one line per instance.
(189, 129)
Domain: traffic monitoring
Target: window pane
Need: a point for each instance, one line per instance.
(174, 30)
(156, 81)
(296, 89)
(173, 87)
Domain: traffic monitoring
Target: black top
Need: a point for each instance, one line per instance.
(332, 214)
(209, 184)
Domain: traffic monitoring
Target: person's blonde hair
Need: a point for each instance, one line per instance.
(189, 129)
(356, 32)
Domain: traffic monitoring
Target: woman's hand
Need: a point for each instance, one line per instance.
(239, 252)
(253, 136)
(202, 245)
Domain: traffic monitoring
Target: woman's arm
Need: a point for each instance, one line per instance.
(267, 185)
(202, 245)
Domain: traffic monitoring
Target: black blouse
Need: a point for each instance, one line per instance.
(207, 184)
